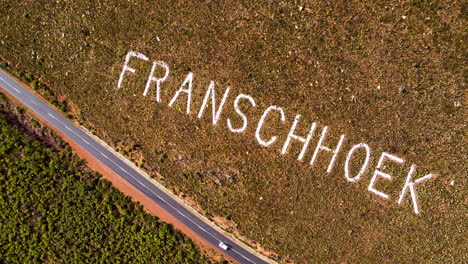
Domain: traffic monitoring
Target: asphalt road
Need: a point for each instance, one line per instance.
(138, 180)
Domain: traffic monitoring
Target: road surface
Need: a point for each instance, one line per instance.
(120, 167)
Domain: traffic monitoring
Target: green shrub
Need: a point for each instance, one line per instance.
(20, 110)
(35, 85)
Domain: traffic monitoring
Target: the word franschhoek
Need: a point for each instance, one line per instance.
(185, 93)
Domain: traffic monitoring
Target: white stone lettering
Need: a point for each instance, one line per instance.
(260, 125)
(304, 140)
(217, 107)
(188, 80)
(320, 146)
(363, 167)
(158, 81)
(238, 111)
(410, 185)
(215, 113)
(126, 67)
(379, 173)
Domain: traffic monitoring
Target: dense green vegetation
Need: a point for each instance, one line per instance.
(54, 210)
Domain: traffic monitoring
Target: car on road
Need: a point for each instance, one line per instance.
(223, 246)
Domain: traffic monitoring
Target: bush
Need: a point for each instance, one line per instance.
(35, 85)
(20, 110)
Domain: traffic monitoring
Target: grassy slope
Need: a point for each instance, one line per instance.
(324, 61)
(54, 210)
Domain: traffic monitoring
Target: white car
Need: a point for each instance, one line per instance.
(223, 246)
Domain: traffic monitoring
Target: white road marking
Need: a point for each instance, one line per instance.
(10, 85)
(243, 256)
(123, 169)
(140, 182)
(181, 213)
(53, 116)
(84, 140)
